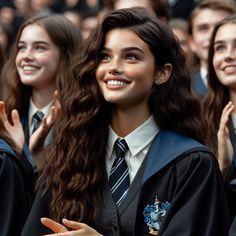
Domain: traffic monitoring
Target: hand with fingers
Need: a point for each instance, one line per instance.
(15, 130)
(225, 148)
(36, 142)
(78, 229)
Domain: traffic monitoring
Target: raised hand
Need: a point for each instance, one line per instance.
(15, 130)
(225, 148)
(78, 229)
(36, 142)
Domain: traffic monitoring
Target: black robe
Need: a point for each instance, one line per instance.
(16, 190)
(182, 193)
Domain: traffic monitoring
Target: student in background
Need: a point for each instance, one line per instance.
(37, 67)
(130, 113)
(180, 29)
(17, 174)
(202, 21)
(219, 104)
(161, 9)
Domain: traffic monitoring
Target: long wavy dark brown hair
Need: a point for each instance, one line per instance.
(218, 94)
(64, 35)
(74, 172)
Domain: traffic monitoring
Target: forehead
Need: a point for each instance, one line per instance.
(34, 32)
(123, 38)
(209, 16)
(226, 32)
(120, 4)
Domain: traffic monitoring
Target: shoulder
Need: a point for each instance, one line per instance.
(6, 148)
(202, 161)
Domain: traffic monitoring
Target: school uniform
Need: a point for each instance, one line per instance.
(16, 192)
(232, 231)
(26, 121)
(230, 181)
(177, 190)
(199, 84)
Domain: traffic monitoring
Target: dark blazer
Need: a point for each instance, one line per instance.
(197, 85)
(182, 193)
(16, 191)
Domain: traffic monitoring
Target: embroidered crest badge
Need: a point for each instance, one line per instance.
(154, 215)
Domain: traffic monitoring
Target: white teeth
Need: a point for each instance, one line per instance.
(29, 68)
(116, 82)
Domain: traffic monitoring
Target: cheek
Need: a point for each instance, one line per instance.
(217, 59)
(17, 60)
(100, 72)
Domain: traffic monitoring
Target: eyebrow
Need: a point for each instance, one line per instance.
(126, 49)
(224, 41)
(219, 42)
(35, 42)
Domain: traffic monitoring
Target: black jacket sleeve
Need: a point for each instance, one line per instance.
(14, 196)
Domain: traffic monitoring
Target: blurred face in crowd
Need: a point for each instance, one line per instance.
(183, 40)
(119, 4)
(202, 28)
(224, 59)
(38, 57)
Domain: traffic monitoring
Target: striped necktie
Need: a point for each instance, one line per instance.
(37, 119)
(119, 174)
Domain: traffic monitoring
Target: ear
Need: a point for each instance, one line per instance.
(163, 74)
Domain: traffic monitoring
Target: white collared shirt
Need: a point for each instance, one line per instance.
(33, 109)
(138, 141)
(203, 73)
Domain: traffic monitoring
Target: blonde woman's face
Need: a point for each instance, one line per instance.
(38, 58)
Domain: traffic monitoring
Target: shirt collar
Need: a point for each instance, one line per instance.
(33, 109)
(203, 73)
(137, 139)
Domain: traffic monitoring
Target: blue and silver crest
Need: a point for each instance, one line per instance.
(154, 215)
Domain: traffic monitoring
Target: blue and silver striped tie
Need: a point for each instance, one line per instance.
(119, 174)
(37, 119)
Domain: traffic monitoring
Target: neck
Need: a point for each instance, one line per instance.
(125, 121)
(203, 64)
(42, 97)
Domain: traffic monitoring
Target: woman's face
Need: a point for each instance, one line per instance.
(127, 69)
(224, 59)
(38, 58)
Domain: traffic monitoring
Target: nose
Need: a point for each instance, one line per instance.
(28, 54)
(230, 54)
(115, 67)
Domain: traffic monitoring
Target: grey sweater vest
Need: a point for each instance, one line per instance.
(119, 221)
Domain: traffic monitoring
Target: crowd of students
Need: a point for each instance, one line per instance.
(105, 132)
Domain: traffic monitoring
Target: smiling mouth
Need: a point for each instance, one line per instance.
(230, 69)
(116, 83)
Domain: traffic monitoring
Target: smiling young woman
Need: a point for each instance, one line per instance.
(130, 117)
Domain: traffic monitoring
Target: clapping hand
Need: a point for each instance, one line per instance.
(78, 229)
(36, 142)
(225, 148)
(15, 130)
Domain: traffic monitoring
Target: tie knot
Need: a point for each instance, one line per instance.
(120, 148)
(38, 116)
(36, 120)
